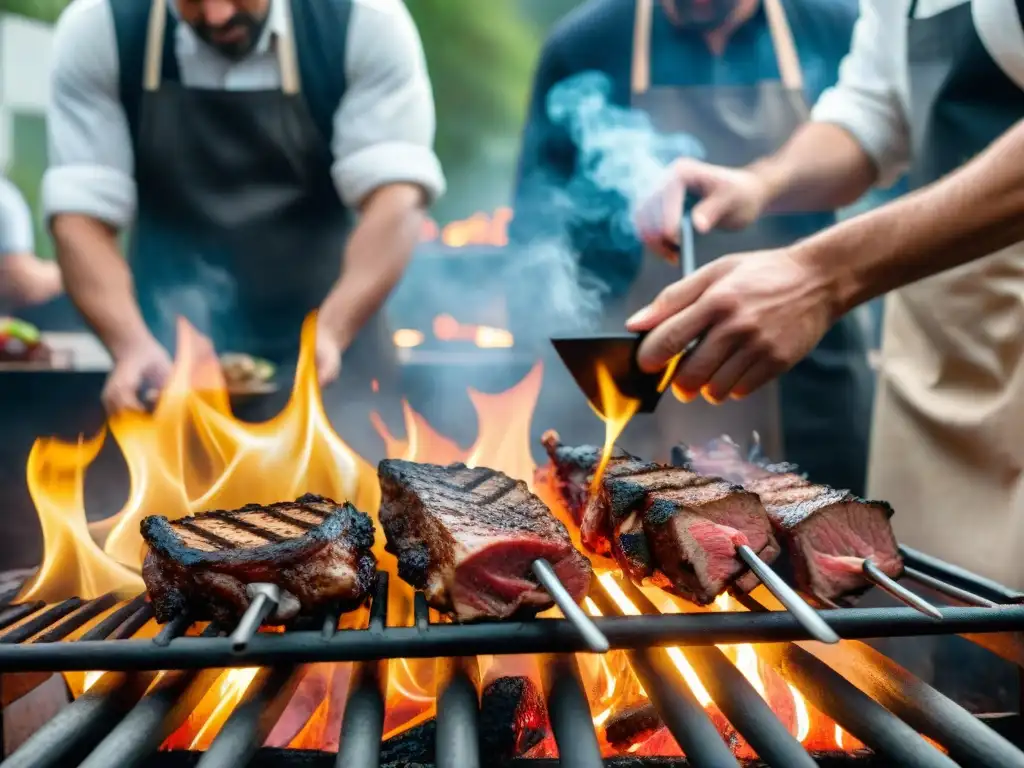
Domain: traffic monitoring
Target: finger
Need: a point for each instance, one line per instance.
(672, 336)
(698, 367)
(756, 377)
(710, 211)
(723, 384)
(122, 398)
(675, 298)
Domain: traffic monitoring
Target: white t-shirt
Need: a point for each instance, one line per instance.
(383, 127)
(872, 98)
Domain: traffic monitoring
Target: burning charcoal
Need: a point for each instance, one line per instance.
(828, 532)
(513, 718)
(632, 725)
(416, 743)
(468, 538)
(318, 552)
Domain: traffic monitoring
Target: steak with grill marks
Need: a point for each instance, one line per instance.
(317, 551)
(828, 532)
(677, 529)
(468, 538)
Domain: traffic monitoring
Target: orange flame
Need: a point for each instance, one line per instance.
(615, 410)
(478, 229)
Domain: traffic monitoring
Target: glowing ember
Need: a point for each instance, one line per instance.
(407, 338)
(447, 328)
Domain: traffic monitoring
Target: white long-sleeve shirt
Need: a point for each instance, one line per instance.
(16, 234)
(872, 98)
(383, 127)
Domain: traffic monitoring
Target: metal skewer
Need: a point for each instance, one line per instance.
(687, 253)
(802, 612)
(876, 576)
(961, 595)
(265, 598)
(593, 636)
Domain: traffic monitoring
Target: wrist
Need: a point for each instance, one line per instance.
(332, 321)
(823, 264)
(771, 179)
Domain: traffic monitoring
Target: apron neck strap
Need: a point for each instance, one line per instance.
(782, 41)
(284, 46)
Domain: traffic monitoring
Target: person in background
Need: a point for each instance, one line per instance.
(25, 279)
(736, 76)
(939, 87)
(273, 157)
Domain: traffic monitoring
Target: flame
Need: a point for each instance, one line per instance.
(407, 338)
(447, 328)
(615, 410)
(72, 564)
(479, 229)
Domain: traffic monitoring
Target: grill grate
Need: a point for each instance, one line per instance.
(118, 724)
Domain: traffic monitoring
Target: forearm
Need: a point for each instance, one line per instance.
(821, 168)
(98, 280)
(967, 215)
(375, 258)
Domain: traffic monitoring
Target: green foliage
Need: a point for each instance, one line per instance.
(43, 10)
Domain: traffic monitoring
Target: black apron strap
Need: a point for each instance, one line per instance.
(322, 57)
(912, 10)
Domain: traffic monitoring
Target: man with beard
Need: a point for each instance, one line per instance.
(735, 76)
(239, 139)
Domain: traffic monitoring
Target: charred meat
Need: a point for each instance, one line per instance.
(317, 551)
(677, 529)
(828, 532)
(468, 538)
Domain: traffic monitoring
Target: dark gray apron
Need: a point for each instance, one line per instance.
(240, 228)
(827, 394)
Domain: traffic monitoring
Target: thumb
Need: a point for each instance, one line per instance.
(711, 210)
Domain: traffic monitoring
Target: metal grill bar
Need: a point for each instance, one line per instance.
(33, 626)
(855, 711)
(970, 742)
(570, 716)
(539, 636)
(78, 728)
(106, 627)
(686, 719)
(363, 723)
(959, 577)
(458, 714)
(86, 613)
(154, 717)
(749, 714)
(175, 628)
(19, 612)
(253, 719)
(74, 731)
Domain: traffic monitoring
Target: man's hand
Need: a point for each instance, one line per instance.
(760, 312)
(330, 343)
(27, 280)
(732, 198)
(143, 366)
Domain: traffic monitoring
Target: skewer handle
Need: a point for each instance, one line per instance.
(961, 595)
(593, 636)
(687, 254)
(260, 607)
(802, 612)
(881, 580)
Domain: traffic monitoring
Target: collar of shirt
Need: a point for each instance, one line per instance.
(189, 42)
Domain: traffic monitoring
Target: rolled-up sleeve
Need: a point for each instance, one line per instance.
(16, 230)
(866, 102)
(384, 127)
(91, 161)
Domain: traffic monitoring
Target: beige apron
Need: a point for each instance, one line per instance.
(947, 447)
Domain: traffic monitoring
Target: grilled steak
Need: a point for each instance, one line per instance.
(318, 552)
(675, 528)
(468, 538)
(828, 532)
